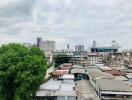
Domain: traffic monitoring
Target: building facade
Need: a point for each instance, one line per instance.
(46, 45)
(94, 58)
(79, 48)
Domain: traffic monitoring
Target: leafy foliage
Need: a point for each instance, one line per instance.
(22, 70)
(60, 59)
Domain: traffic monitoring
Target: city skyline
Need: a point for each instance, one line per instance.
(67, 21)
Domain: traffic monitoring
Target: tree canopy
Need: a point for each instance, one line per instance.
(22, 70)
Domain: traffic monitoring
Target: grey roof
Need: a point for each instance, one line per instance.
(65, 93)
(119, 68)
(113, 85)
(69, 82)
(66, 87)
(78, 66)
(51, 85)
(91, 69)
(68, 77)
(100, 75)
(84, 87)
(41, 93)
(123, 78)
(127, 70)
(76, 70)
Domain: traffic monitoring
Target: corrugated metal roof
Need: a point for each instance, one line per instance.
(66, 87)
(41, 93)
(81, 71)
(65, 93)
(100, 75)
(51, 85)
(78, 66)
(123, 78)
(113, 85)
(85, 89)
(68, 76)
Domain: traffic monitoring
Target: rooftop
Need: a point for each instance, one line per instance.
(66, 87)
(81, 71)
(105, 68)
(68, 76)
(77, 66)
(84, 88)
(65, 93)
(113, 85)
(41, 93)
(118, 68)
(115, 72)
(51, 85)
(100, 75)
(123, 78)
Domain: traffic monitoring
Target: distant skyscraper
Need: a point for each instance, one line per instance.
(68, 46)
(46, 45)
(79, 48)
(39, 40)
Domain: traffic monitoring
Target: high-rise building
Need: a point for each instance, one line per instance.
(79, 48)
(68, 46)
(46, 45)
(39, 40)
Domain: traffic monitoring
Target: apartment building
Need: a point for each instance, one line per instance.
(94, 58)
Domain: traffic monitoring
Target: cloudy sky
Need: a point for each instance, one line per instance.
(67, 21)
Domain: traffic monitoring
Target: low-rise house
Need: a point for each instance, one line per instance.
(110, 89)
(57, 90)
(47, 90)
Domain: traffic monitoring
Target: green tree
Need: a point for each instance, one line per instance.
(22, 70)
(60, 59)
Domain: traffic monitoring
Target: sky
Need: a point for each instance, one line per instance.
(67, 21)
